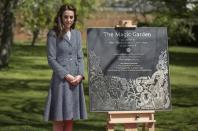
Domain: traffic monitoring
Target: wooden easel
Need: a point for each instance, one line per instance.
(130, 119)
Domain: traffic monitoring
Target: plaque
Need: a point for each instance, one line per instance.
(128, 69)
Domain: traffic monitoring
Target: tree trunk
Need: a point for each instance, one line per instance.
(35, 36)
(6, 34)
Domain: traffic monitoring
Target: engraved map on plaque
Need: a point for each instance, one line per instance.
(128, 69)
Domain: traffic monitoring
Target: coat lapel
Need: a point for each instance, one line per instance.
(72, 36)
(71, 39)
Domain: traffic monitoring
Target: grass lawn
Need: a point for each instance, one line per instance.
(24, 86)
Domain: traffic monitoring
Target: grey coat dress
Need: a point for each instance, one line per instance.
(65, 102)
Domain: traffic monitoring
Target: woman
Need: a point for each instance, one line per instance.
(65, 101)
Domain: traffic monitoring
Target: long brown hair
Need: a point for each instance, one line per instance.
(58, 23)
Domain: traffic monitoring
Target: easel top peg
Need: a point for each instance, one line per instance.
(126, 23)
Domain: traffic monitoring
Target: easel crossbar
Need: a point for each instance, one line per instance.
(130, 119)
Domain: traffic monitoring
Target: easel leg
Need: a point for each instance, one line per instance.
(144, 127)
(130, 127)
(151, 126)
(110, 127)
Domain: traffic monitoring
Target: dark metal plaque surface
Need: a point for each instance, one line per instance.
(128, 69)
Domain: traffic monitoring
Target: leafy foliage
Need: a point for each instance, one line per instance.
(179, 31)
(38, 15)
(180, 18)
(7, 8)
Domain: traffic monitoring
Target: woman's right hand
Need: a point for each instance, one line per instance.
(69, 78)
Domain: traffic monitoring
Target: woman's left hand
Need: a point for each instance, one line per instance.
(77, 80)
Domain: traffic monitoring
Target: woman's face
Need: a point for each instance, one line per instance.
(68, 19)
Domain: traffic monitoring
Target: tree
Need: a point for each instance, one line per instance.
(180, 16)
(84, 9)
(37, 15)
(7, 7)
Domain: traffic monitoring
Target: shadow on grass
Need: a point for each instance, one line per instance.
(22, 107)
(86, 88)
(22, 102)
(85, 52)
(185, 96)
(183, 59)
(88, 127)
(23, 85)
(29, 63)
(184, 115)
(27, 50)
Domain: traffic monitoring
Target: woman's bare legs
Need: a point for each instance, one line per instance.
(58, 126)
(68, 125)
